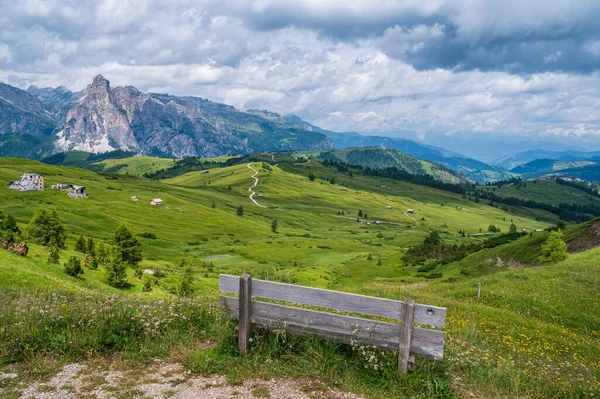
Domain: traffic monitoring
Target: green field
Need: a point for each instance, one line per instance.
(547, 191)
(510, 344)
(137, 165)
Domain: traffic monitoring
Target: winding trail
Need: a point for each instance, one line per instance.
(414, 220)
(253, 186)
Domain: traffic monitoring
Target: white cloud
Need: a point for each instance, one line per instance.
(379, 66)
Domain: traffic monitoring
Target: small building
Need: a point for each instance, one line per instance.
(538, 230)
(388, 207)
(382, 186)
(156, 202)
(260, 195)
(410, 210)
(377, 222)
(74, 191)
(28, 182)
(223, 175)
(204, 171)
(134, 198)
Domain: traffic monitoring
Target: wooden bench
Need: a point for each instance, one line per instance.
(403, 338)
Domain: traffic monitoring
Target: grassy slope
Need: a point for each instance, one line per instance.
(137, 166)
(532, 307)
(546, 191)
(306, 212)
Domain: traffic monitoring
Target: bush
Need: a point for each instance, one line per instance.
(429, 265)
(150, 236)
(186, 283)
(73, 266)
(554, 249)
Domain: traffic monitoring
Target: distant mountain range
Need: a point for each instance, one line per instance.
(471, 168)
(39, 122)
(522, 158)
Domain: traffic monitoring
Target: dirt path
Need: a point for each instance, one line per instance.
(164, 380)
(251, 188)
(410, 217)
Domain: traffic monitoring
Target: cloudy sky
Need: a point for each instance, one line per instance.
(419, 68)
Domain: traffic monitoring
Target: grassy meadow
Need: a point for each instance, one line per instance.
(533, 334)
(137, 165)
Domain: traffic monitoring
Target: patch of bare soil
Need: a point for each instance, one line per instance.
(588, 241)
(167, 381)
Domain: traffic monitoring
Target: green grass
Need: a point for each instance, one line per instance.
(136, 166)
(547, 191)
(509, 344)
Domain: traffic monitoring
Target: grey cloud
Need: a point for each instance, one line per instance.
(429, 67)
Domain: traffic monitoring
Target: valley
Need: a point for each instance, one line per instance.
(319, 242)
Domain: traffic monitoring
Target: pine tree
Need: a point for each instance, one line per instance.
(240, 210)
(186, 283)
(360, 213)
(129, 247)
(81, 244)
(213, 205)
(311, 177)
(45, 227)
(274, 226)
(369, 257)
(512, 229)
(379, 262)
(102, 254)
(54, 255)
(73, 266)
(93, 262)
(91, 246)
(116, 271)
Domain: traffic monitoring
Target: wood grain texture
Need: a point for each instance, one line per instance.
(424, 314)
(346, 329)
(405, 336)
(245, 312)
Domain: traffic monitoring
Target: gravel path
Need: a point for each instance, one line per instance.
(251, 188)
(168, 381)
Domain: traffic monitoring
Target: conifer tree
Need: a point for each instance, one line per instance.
(81, 245)
(116, 271)
(73, 266)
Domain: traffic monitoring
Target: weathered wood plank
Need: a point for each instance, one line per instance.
(424, 314)
(245, 312)
(405, 335)
(346, 329)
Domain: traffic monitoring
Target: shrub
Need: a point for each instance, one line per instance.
(186, 283)
(73, 266)
(148, 235)
(554, 249)
(274, 225)
(240, 210)
(429, 265)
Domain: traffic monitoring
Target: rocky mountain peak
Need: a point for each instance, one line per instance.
(100, 82)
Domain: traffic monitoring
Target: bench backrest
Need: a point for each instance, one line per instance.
(422, 342)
